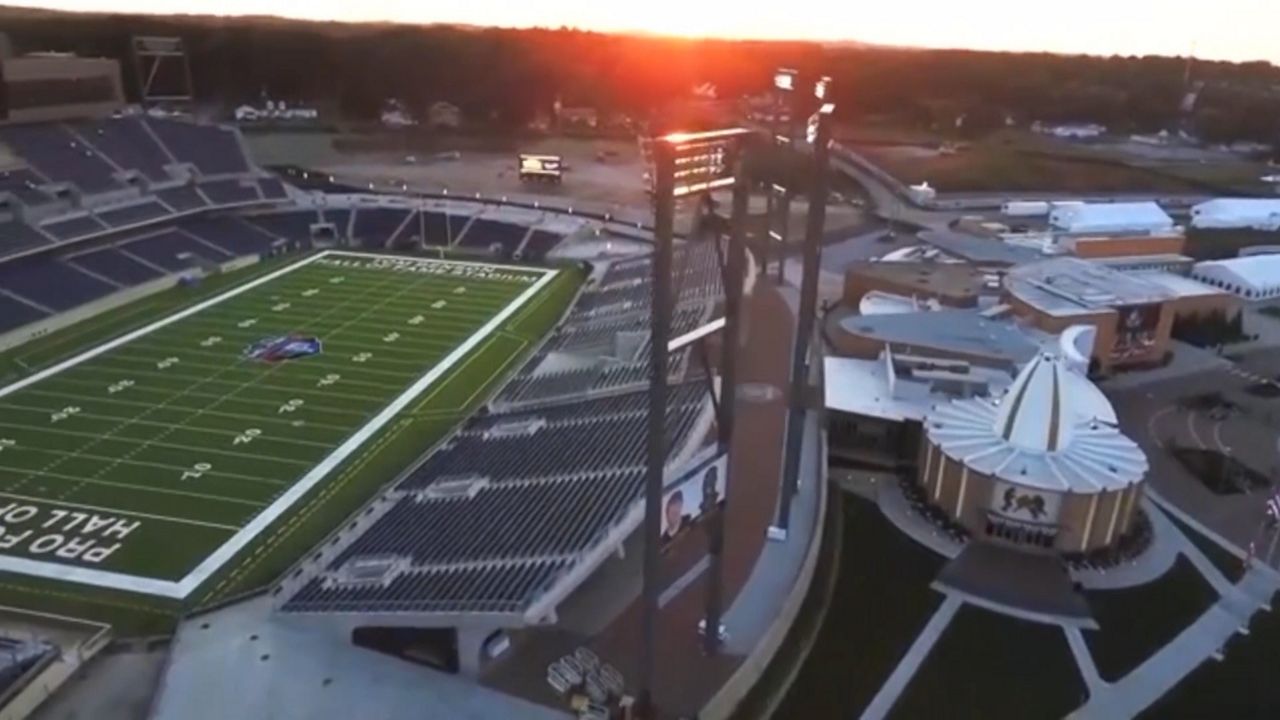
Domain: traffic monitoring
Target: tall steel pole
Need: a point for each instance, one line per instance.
(815, 221)
(659, 336)
(733, 280)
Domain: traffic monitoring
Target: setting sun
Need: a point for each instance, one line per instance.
(1177, 27)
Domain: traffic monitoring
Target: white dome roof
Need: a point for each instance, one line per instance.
(1035, 412)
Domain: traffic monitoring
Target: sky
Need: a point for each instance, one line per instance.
(1224, 29)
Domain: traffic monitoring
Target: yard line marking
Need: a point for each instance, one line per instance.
(208, 381)
(211, 431)
(99, 508)
(536, 280)
(97, 367)
(175, 446)
(162, 466)
(139, 488)
(62, 398)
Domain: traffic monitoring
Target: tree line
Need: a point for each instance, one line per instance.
(506, 77)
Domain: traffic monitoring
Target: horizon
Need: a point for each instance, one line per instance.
(1094, 27)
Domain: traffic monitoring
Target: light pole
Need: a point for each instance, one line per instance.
(818, 134)
(687, 165)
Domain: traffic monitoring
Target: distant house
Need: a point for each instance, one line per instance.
(444, 115)
(1071, 131)
(395, 115)
(583, 117)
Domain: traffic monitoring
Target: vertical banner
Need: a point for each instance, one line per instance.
(692, 495)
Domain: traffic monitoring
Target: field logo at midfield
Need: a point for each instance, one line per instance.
(283, 347)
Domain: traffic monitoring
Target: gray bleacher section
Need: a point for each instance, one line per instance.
(22, 183)
(182, 199)
(15, 313)
(272, 189)
(213, 150)
(59, 156)
(133, 214)
(71, 228)
(340, 217)
(163, 250)
(115, 265)
(295, 225)
(228, 192)
(128, 144)
(539, 244)
(618, 306)
(232, 234)
(16, 237)
(487, 233)
(549, 495)
(51, 283)
(374, 227)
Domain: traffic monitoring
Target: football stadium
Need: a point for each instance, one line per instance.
(397, 427)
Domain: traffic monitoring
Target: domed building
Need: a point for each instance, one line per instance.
(1042, 466)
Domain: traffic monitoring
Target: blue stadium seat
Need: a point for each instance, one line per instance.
(15, 313)
(213, 150)
(128, 144)
(59, 156)
(51, 283)
(114, 265)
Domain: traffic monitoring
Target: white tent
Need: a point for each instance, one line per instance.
(1257, 213)
(1254, 277)
(1140, 217)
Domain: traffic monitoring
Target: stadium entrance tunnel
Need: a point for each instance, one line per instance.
(436, 648)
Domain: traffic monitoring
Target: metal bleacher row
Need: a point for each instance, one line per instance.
(490, 521)
(69, 181)
(517, 498)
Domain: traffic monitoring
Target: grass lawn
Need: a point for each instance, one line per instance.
(987, 665)
(991, 166)
(881, 602)
(176, 468)
(1241, 686)
(1228, 564)
(1136, 622)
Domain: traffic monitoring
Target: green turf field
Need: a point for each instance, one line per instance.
(167, 456)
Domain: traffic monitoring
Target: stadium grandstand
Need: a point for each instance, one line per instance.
(498, 525)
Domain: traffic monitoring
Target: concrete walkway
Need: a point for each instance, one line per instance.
(1198, 642)
(911, 662)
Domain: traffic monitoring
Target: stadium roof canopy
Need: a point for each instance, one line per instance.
(1044, 432)
(1253, 277)
(1111, 218)
(1259, 213)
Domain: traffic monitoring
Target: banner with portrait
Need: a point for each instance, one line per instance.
(692, 495)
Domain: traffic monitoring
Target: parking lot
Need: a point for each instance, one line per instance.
(1222, 421)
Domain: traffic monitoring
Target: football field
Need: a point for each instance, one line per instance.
(148, 462)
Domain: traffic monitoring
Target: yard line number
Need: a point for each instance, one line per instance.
(120, 386)
(167, 363)
(197, 471)
(247, 436)
(63, 414)
(211, 341)
(291, 406)
(7, 443)
(327, 380)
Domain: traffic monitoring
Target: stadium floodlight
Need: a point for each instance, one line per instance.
(811, 131)
(821, 87)
(785, 79)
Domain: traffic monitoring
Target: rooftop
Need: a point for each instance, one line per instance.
(958, 331)
(958, 282)
(1044, 432)
(981, 251)
(1111, 217)
(1071, 286)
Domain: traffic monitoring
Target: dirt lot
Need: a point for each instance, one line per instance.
(602, 171)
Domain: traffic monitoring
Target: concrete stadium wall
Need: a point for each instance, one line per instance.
(734, 691)
(49, 676)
